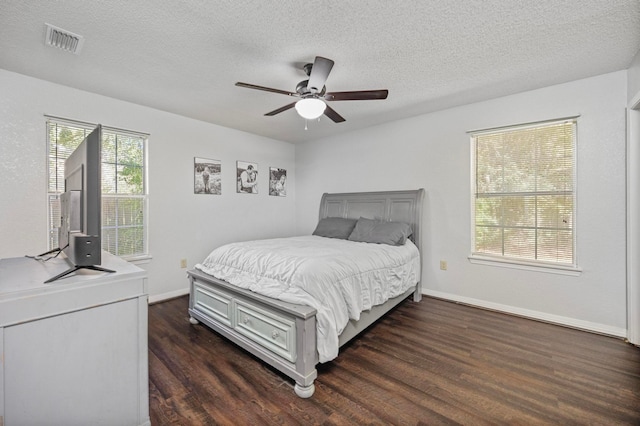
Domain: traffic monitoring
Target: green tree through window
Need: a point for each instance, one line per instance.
(123, 184)
(524, 192)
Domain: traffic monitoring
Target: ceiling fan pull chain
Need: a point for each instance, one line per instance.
(305, 124)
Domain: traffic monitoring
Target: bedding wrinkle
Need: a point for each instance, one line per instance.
(339, 278)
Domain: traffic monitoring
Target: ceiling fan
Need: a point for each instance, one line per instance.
(313, 93)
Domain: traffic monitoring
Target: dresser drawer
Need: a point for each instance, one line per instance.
(273, 332)
(214, 304)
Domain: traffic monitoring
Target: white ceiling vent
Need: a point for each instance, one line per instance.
(63, 39)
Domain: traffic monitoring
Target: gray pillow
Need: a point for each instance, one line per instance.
(335, 227)
(379, 232)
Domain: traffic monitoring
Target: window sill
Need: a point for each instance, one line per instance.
(573, 271)
(138, 260)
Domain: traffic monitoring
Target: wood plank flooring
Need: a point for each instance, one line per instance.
(433, 362)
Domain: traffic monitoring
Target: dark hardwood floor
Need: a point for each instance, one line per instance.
(433, 362)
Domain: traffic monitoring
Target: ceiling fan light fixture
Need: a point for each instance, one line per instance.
(310, 108)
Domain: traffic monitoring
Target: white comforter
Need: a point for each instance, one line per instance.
(339, 278)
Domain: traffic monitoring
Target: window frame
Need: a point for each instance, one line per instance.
(53, 120)
(513, 262)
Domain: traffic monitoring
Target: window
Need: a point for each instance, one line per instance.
(523, 205)
(124, 199)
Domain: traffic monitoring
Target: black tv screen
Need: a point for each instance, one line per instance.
(81, 203)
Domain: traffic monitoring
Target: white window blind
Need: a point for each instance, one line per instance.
(524, 192)
(124, 194)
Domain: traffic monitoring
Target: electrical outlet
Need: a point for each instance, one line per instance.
(183, 263)
(443, 265)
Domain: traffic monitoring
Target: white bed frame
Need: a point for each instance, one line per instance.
(284, 334)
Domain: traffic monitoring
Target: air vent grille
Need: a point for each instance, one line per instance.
(63, 39)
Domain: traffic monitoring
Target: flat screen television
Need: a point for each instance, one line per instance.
(81, 206)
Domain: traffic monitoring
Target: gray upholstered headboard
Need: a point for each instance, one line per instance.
(397, 206)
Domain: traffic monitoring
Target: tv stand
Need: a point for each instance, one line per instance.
(73, 353)
(76, 268)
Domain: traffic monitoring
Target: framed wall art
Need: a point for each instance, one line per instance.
(247, 175)
(206, 176)
(277, 182)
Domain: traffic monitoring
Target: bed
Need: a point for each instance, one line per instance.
(290, 336)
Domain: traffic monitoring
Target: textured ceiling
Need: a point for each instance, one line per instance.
(185, 56)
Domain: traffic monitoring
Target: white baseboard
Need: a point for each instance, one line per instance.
(527, 313)
(169, 295)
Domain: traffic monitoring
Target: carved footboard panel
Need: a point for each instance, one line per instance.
(279, 333)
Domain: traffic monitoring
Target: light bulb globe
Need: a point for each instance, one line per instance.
(310, 108)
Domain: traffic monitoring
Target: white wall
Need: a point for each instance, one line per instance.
(430, 151)
(633, 201)
(181, 224)
(633, 78)
(433, 151)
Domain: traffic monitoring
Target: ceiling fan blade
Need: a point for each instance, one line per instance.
(319, 74)
(362, 95)
(266, 89)
(332, 114)
(282, 109)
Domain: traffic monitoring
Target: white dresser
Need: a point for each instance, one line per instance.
(73, 352)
